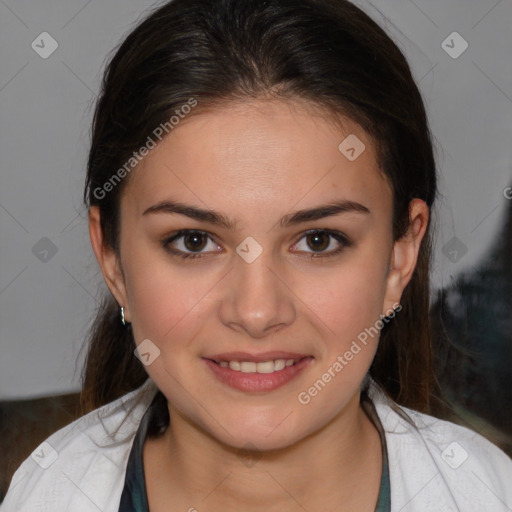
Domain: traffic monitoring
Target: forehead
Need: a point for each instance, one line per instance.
(264, 153)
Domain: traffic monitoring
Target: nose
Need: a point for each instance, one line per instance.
(257, 298)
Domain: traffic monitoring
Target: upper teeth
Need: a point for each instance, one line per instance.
(252, 367)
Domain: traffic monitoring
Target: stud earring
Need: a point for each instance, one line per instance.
(123, 321)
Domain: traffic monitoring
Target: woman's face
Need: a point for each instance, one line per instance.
(274, 273)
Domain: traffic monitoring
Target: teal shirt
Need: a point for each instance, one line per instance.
(134, 497)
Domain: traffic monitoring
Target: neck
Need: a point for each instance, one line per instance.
(340, 465)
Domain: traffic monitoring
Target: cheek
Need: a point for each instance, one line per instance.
(349, 298)
(169, 307)
(168, 303)
(348, 305)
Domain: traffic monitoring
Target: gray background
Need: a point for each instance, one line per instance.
(49, 278)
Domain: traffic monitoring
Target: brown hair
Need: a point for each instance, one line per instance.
(328, 52)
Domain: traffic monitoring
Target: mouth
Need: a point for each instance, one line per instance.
(264, 372)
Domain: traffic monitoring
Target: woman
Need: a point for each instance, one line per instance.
(259, 186)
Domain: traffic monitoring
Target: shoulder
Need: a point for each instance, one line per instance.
(438, 465)
(83, 463)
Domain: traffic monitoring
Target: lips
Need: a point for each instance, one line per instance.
(252, 372)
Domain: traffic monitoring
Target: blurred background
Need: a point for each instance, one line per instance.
(52, 55)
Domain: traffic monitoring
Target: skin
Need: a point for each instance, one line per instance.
(255, 162)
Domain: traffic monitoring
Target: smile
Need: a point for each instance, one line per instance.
(257, 376)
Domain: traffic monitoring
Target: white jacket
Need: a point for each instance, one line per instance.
(439, 467)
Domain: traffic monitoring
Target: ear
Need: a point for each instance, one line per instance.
(108, 261)
(404, 255)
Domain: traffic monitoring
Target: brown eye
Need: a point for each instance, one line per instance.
(316, 243)
(194, 241)
(189, 244)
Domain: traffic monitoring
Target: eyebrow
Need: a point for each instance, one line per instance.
(219, 219)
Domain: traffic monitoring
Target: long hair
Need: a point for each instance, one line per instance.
(328, 52)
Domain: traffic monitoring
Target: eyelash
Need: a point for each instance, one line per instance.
(338, 236)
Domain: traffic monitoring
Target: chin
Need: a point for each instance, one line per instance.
(260, 431)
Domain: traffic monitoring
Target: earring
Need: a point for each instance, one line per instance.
(123, 321)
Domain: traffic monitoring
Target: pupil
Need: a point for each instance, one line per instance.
(195, 237)
(317, 236)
